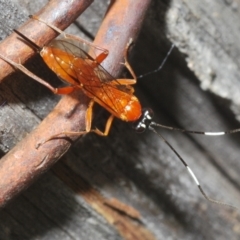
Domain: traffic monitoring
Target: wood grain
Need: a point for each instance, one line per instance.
(139, 170)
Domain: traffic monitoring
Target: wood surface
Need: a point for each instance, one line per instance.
(73, 199)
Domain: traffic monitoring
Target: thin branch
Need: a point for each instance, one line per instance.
(15, 49)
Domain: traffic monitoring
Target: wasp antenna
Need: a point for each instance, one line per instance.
(31, 43)
(192, 173)
(196, 132)
(161, 65)
(145, 122)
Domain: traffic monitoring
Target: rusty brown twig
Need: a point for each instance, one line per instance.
(24, 163)
(54, 12)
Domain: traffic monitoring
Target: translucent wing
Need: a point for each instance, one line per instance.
(76, 66)
(80, 56)
(78, 47)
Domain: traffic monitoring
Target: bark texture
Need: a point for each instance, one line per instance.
(131, 186)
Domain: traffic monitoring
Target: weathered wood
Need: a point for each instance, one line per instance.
(24, 163)
(140, 170)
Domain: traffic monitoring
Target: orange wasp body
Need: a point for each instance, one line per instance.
(86, 74)
(77, 62)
